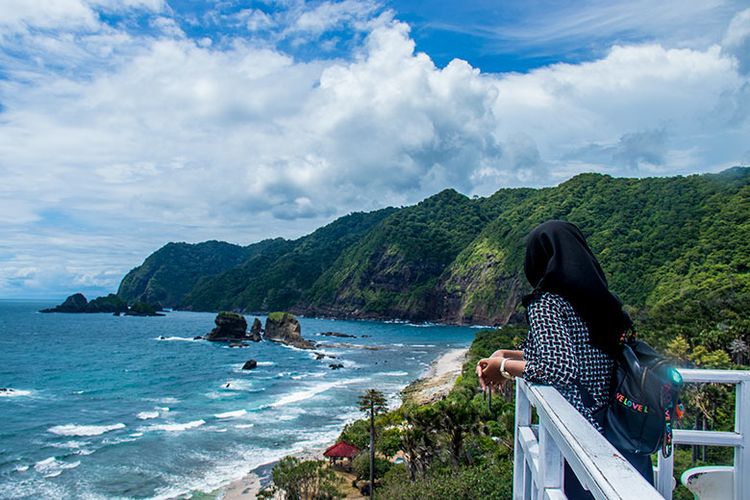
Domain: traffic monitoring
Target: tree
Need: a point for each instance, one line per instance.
(305, 480)
(372, 402)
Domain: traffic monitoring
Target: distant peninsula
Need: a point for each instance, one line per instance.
(77, 303)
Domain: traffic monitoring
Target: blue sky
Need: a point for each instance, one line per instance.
(127, 124)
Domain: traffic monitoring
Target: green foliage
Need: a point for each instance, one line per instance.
(143, 308)
(305, 480)
(361, 466)
(492, 481)
(279, 317)
(356, 433)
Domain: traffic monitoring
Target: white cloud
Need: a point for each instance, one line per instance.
(737, 39)
(163, 138)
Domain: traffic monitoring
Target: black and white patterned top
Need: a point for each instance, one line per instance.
(558, 352)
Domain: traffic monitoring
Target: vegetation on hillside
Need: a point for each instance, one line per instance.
(675, 249)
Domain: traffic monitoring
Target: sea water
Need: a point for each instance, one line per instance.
(133, 407)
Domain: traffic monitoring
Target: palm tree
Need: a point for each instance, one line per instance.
(372, 402)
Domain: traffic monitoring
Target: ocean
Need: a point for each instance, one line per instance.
(133, 407)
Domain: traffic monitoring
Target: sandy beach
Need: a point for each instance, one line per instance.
(433, 385)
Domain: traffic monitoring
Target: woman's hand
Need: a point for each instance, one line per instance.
(488, 371)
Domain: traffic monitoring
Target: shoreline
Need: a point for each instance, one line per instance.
(434, 383)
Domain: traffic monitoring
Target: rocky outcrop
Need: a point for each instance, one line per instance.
(250, 364)
(143, 309)
(77, 303)
(337, 334)
(255, 331)
(283, 327)
(229, 326)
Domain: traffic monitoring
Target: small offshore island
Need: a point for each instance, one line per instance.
(77, 303)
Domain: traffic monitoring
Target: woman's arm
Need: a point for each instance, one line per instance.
(507, 353)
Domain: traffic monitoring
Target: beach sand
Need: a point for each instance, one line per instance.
(438, 380)
(435, 383)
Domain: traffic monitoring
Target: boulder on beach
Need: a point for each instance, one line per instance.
(256, 330)
(229, 326)
(283, 327)
(250, 364)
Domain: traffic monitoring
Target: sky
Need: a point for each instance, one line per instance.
(126, 124)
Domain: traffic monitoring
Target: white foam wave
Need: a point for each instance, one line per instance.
(266, 363)
(244, 426)
(182, 339)
(22, 468)
(310, 392)
(175, 427)
(163, 409)
(146, 415)
(84, 430)
(14, 393)
(395, 374)
(231, 414)
(423, 345)
(52, 467)
(397, 345)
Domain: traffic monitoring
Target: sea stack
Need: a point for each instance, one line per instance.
(255, 331)
(283, 327)
(229, 326)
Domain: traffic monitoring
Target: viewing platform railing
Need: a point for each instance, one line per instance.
(564, 435)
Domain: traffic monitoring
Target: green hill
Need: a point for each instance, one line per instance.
(675, 249)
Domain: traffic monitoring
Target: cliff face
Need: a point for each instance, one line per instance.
(456, 259)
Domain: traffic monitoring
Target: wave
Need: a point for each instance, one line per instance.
(395, 374)
(231, 414)
(175, 427)
(21, 468)
(9, 392)
(302, 395)
(244, 426)
(423, 345)
(84, 430)
(146, 415)
(52, 467)
(183, 339)
(266, 363)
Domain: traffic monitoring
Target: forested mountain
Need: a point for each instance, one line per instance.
(675, 249)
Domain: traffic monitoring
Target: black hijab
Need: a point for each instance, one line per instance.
(558, 260)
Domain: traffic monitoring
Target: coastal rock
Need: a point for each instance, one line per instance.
(198, 337)
(256, 330)
(336, 366)
(337, 334)
(77, 303)
(229, 326)
(250, 364)
(143, 309)
(283, 327)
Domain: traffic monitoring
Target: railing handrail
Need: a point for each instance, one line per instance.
(564, 435)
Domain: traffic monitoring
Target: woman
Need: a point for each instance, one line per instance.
(575, 327)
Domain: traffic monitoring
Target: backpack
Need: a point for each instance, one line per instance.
(644, 401)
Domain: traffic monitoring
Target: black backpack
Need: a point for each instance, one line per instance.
(644, 401)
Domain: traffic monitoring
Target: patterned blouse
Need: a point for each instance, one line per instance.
(558, 352)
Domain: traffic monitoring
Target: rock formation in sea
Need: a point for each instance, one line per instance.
(256, 330)
(250, 364)
(77, 303)
(337, 334)
(229, 326)
(143, 309)
(283, 327)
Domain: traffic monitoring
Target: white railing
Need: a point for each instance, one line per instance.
(739, 439)
(564, 435)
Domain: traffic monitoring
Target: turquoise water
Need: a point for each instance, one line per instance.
(104, 409)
